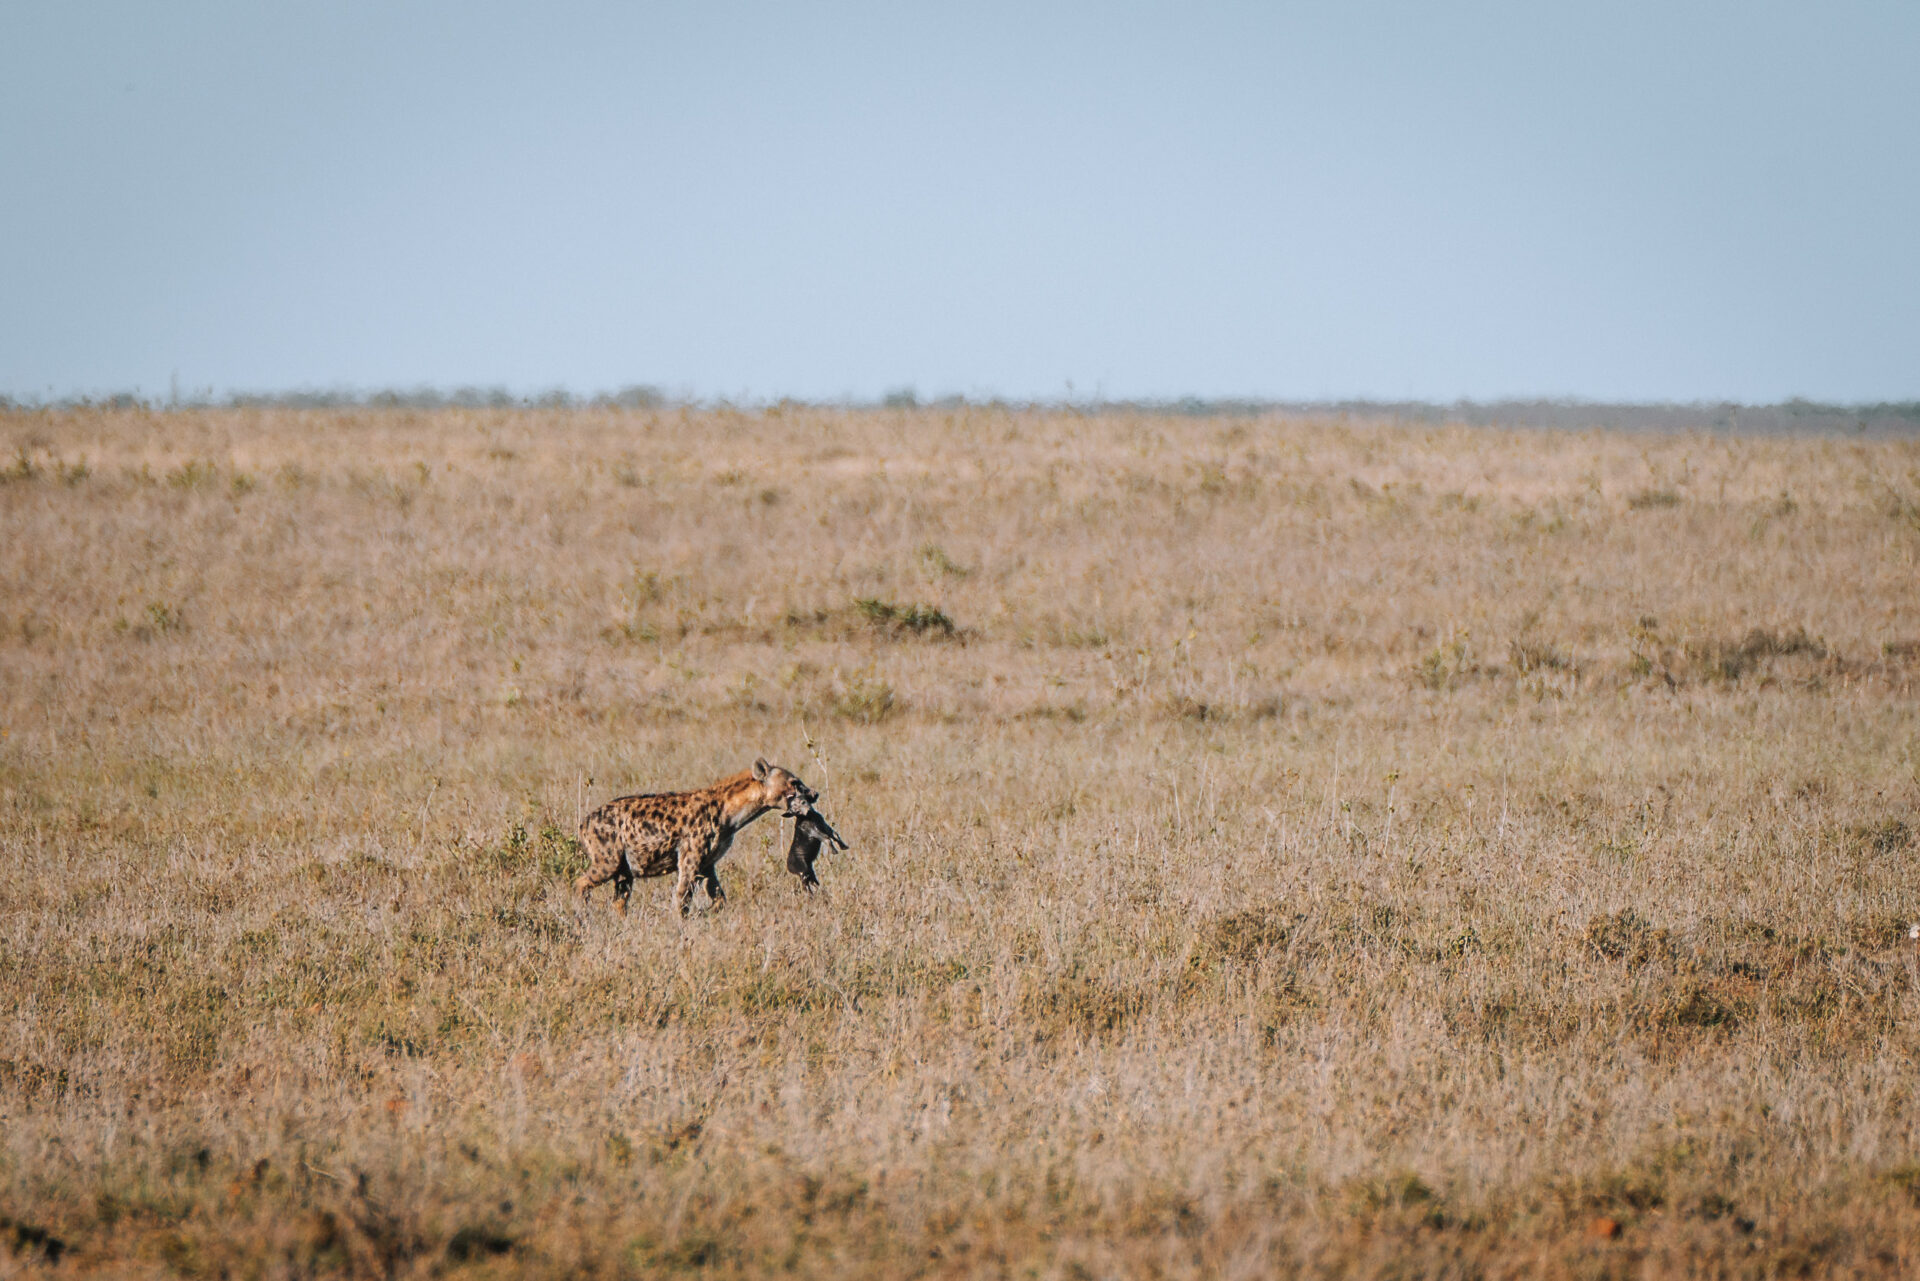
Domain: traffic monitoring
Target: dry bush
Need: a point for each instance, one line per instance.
(1280, 846)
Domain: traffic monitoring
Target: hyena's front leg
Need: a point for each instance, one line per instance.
(689, 876)
(711, 879)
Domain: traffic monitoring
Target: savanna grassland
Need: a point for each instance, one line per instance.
(1279, 846)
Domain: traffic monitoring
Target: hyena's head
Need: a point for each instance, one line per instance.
(783, 790)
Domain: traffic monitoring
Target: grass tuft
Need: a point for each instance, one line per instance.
(916, 619)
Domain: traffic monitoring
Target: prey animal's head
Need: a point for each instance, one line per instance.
(783, 790)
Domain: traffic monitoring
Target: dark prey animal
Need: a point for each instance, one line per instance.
(811, 832)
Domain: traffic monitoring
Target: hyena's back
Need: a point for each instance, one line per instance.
(642, 832)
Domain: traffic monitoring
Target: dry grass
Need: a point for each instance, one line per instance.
(1279, 846)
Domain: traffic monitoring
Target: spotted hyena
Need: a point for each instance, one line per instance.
(687, 833)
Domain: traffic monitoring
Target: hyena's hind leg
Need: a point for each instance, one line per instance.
(606, 861)
(622, 883)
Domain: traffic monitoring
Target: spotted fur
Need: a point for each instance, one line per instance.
(682, 833)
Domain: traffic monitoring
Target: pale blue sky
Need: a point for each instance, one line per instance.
(1660, 201)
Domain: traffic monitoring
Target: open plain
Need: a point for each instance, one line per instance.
(1280, 845)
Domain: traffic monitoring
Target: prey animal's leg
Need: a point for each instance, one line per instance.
(800, 856)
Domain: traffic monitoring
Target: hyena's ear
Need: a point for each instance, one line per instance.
(760, 768)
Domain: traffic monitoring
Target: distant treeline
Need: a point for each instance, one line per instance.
(635, 397)
(1792, 417)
